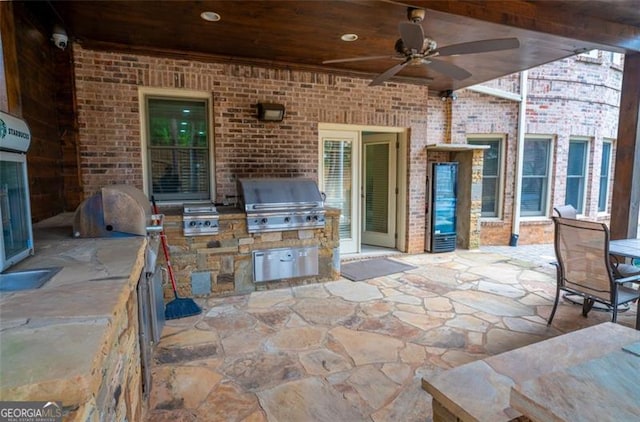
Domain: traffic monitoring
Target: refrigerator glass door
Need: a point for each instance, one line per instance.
(15, 215)
(444, 203)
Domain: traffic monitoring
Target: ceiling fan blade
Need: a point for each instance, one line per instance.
(449, 69)
(412, 35)
(389, 73)
(359, 59)
(483, 46)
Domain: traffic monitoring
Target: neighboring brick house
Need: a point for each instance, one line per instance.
(575, 99)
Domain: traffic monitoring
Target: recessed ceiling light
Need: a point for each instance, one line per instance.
(210, 16)
(349, 37)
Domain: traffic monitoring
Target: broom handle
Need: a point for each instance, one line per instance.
(163, 239)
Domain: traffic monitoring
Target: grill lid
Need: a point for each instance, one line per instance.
(116, 210)
(279, 193)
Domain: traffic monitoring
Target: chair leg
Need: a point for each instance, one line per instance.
(614, 304)
(586, 306)
(555, 306)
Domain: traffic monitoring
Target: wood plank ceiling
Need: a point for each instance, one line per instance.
(303, 34)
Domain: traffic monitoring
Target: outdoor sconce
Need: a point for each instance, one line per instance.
(270, 112)
(448, 95)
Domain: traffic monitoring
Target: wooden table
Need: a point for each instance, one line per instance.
(625, 247)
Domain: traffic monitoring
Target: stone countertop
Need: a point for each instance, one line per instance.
(53, 339)
(480, 390)
(598, 389)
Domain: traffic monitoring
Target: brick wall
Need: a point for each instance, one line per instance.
(480, 114)
(571, 98)
(107, 97)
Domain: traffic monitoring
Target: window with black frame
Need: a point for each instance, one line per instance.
(576, 174)
(178, 149)
(605, 165)
(535, 176)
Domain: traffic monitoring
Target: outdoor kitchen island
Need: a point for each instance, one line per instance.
(222, 264)
(75, 339)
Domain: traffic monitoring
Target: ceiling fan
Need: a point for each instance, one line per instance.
(413, 48)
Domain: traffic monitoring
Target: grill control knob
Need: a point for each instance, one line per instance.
(263, 221)
(315, 218)
(308, 218)
(207, 223)
(287, 219)
(192, 224)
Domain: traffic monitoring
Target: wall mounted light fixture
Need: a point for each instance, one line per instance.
(270, 112)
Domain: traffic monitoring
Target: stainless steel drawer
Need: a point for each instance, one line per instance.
(275, 264)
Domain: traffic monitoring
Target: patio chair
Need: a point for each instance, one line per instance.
(620, 268)
(566, 211)
(584, 267)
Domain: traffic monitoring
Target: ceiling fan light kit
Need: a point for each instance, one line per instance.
(413, 48)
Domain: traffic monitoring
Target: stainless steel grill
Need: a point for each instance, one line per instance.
(281, 204)
(199, 219)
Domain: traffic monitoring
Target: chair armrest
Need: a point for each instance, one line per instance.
(631, 279)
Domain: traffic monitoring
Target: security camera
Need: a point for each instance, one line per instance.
(448, 95)
(59, 37)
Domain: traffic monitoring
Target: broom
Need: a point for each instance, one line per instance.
(178, 307)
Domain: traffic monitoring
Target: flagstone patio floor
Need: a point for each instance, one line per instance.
(356, 351)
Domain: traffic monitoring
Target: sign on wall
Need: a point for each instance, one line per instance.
(14, 133)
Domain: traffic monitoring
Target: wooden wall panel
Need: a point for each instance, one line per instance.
(625, 204)
(10, 96)
(37, 82)
(67, 125)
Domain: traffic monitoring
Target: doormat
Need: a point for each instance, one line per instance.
(371, 268)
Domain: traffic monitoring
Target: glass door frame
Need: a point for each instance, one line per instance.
(402, 181)
(25, 206)
(349, 244)
(387, 239)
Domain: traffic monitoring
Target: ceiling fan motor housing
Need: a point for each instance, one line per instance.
(415, 15)
(428, 46)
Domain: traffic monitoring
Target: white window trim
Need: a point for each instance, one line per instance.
(617, 59)
(607, 209)
(550, 169)
(587, 158)
(143, 93)
(501, 138)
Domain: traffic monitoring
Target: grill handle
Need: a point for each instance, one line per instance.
(296, 205)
